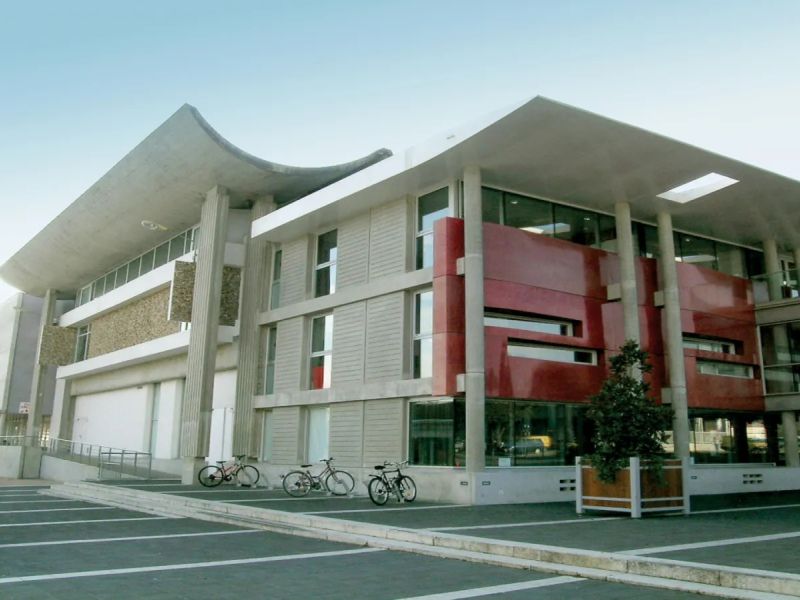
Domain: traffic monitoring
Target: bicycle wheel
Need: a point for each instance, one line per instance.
(247, 475)
(297, 483)
(210, 476)
(340, 483)
(377, 491)
(407, 487)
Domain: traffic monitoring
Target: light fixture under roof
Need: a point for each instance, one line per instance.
(702, 186)
(153, 226)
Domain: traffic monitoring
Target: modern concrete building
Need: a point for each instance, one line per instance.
(455, 304)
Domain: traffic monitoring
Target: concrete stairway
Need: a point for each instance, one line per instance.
(713, 580)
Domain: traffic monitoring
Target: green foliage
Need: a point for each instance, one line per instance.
(627, 420)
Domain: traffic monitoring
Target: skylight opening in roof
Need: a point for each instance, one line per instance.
(697, 188)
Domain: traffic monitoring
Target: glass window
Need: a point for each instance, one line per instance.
(121, 276)
(695, 250)
(82, 343)
(147, 262)
(423, 334)
(576, 226)
(267, 433)
(430, 208)
(109, 283)
(85, 295)
(528, 323)
(269, 372)
(436, 433)
(161, 255)
(563, 354)
(529, 214)
(275, 288)
(492, 203)
(321, 352)
(754, 262)
(325, 270)
(177, 246)
(317, 433)
(724, 369)
(647, 236)
(133, 268)
(709, 345)
(730, 259)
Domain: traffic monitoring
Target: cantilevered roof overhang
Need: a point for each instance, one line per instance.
(558, 152)
(164, 180)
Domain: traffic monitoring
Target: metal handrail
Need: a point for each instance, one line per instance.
(108, 460)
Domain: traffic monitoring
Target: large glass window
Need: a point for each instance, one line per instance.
(529, 214)
(780, 349)
(523, 433)
(423, 334)
(709, 345)
(269, 369)
(724, 369)
(164, 253)
(317, 433)
(321, 352)
(521, 349)
(430, 208)
(696, 251)
(275, 288)
(436, 433)
(267, 434)
(82, 343)
(325, 270)
(527, 323)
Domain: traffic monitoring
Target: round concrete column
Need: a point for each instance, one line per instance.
(473, 319)
(627, 271)
(772, 264)
(673, 335)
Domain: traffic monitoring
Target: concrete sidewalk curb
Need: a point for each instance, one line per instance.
(727, 582)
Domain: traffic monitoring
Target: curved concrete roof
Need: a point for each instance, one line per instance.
(164, 179)
(562, 153)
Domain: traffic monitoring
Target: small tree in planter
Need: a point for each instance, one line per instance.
(628, 425)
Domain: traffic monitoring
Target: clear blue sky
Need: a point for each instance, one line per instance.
(315, 82)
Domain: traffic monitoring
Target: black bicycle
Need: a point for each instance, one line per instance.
(214, 475)
(390, 481)
(300, 483)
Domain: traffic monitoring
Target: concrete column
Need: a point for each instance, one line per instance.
(33, 428)
(790, 448)
(202, 355)
(473, 318)
(60, 423)
(254, 290)
(673, 339)
(627, 271)
(772, 264)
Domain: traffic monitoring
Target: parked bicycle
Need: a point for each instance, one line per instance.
(390, 481)
(300, 483)
(214, 475)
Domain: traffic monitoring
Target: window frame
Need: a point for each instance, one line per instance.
(275, 282)
(330, 265)
(269, 359)
(419, 337)
(83, 336)
(326, 353)
(422, 233)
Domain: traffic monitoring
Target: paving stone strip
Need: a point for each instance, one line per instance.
(721, 581)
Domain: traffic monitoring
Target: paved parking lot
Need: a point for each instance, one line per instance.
(51, 548)
(759, 531)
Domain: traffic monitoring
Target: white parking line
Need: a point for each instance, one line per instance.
(747, 509)
(713, 543)
(363, 510)
(34, 501)
(130, 539)
(497, 589)
(176, 567)
(528, 524)
(89, 521)
(41, 510)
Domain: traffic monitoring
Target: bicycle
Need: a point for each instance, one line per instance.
(214, 475)
(382, 485)
(299, 483)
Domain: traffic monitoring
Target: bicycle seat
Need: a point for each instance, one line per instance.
(305, 466)
(379, 467)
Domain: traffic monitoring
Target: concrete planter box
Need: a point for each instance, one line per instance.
(634, 491)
